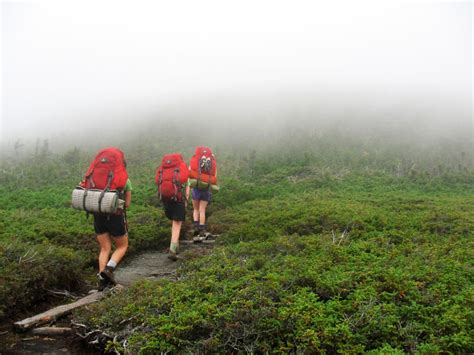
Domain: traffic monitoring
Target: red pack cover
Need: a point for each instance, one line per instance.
(203, 153)
(170, 177)
(107, 170)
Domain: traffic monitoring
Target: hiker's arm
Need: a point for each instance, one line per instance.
(128, 198)
(188, 188)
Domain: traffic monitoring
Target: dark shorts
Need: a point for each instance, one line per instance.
(201, 195)
(113, 224)
(175, 211)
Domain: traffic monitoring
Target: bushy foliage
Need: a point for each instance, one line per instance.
(304, 294)
(29, 271)
(325, 247)
(310, 261)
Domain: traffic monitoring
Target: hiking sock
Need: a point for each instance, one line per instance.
(112, 264)
(174, 247)
(196, 224)
(202, 227)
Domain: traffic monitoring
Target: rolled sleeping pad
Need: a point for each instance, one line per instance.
(110, 202)
(203, 186)
(204, 177)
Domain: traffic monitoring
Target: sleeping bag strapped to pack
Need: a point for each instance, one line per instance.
(100, 191)
(203, 168)
(171, 177)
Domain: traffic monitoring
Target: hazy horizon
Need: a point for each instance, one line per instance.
(69, 67)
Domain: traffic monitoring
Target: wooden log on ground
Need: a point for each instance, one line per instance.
(57, 312)
(52, 331)
(210, 241)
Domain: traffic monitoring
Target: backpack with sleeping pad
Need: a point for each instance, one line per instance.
(203, 169)
(104, 181)
(171, 178)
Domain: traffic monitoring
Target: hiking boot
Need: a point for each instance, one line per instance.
(200, 237)
(102, 283)
(108, 275)
(195, 232)
(172, 256)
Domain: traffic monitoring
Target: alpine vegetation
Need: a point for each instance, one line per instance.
(336, 243)
(264, 177)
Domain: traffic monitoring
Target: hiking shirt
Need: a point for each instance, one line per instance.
(128, 186)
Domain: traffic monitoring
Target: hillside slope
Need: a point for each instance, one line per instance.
(325, 246)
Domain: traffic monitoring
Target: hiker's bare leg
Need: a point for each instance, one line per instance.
(202, 212)
(196, 210)
(175, 229)
(121, 246)
(105, 243)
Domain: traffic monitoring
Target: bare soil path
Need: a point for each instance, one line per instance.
(156, 265)
(151, 265)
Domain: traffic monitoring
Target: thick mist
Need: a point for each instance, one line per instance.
(81, 74)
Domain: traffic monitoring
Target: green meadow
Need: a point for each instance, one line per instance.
(326, 245)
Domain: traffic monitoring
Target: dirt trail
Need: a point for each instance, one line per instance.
(155, 264)
(147, 265)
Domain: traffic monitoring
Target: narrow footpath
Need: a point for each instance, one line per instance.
(50, 332)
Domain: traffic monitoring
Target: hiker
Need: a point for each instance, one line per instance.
(203, 177)
(173, 191)
(112, 227)
(107, 176)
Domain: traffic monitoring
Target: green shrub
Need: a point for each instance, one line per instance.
(28, 271)
(326, 246)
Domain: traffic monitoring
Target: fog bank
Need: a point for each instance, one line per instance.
(72, 71)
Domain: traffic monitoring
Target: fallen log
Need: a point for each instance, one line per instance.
(186, 241)
(52, 331)
(57, 312)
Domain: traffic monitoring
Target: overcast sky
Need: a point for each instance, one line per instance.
(65, 63)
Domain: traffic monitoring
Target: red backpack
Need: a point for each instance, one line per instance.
(203, 166)
(107, 171)
(171, 176)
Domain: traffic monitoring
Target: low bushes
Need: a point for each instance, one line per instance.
(318, 253)
(29, 271)
(342, 270)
